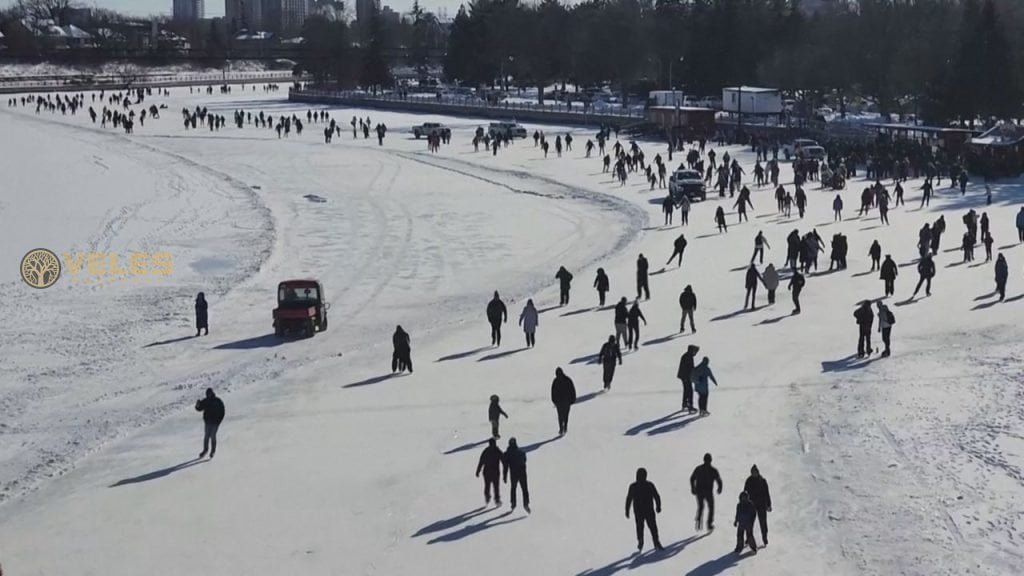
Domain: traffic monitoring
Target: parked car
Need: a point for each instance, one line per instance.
(687, 183)
(300, 308)
(812, 153)
(507, 129)
(428, 128)
(790, 149)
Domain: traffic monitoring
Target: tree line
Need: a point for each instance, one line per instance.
(943, 59)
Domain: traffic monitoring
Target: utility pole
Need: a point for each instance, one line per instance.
(672, 87)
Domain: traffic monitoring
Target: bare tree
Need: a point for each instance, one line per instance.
(40, 268)
(38, 10)
(128, 74)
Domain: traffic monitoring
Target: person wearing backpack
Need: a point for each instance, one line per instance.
(886, 320)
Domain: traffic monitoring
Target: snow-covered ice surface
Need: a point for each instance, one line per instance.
(908, 465)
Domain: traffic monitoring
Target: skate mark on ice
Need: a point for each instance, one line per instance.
(804, 445)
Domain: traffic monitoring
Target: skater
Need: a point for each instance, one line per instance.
(610, 354)
(621, 319)
(633, 326)
(684, 211)
(494, 412)
(756, 488)
(889, 271)
(668, 206)
(986, 239)
(968, 247)
(202, 322)
(602, 285)
(796, 285)
(213, 414)
(702, 484)
(685, 374)
(865, 318)
(720, 220)
(744, 523)
(1020, 225)
(875, 252)
(837, 209)
(564, 284)
(925, 272)
(760, 242)
(642, 281)
(701, 374)
(679, 246)
(886, 319)
(741, 205)
(688, 303)
(496, 315)
(752, 279)
(401, 356)
(1002, 274)
(515, 462)
(563, 396)
(529, 319)
(490, 465)
(770, 277)
(643, 497)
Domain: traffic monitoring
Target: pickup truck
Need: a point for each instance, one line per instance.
(428, 128)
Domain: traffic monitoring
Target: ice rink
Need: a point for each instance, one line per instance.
(912, 464)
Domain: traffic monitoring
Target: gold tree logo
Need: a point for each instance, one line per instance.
(40, 268)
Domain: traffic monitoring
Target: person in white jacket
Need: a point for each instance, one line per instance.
(529, 319)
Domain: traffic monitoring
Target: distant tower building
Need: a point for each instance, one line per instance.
(365, 9)
(293, 15)
(189, 10)
(244, 14)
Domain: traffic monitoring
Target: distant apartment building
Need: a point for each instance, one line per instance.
(286, 16)
(244, 14)
(189, 10)
(365, 9)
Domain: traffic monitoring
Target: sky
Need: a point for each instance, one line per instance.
(215, 8)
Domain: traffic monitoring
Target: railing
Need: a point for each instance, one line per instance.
(472, 102)
(86, 81)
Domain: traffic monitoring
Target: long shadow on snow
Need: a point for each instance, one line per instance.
(580, 311)
(467, 446)
(664, 339)
(462, 355)
(851, 362)
(588, 359)
(636, 430)
(171, 341)
(471, 529)
(588, 397)
(265, 341)
(157, 473)
(719, 565)
(637, 560)
(774, 320)
(498, 355)
(733, 314)
(673, 425)
(538, 445)
(374, 380)
(449, 522)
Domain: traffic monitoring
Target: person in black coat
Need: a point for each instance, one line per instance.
(496, 315)
(633, 326)
(201, 316)
(642, 283)
(563, 396)
(888, 274)
(685, 375)
(744, 523)
(925, 272)
(490, 465)
(602, 285)
(645, 501)
(796, 285)
(875, 252)
(688, 303)
(515, 463)
(752, 279)
(678, 247)
(401, 357)
(757, 488)
(865, 319)
(702, 484)
(608, 356)
(564, 284)
(213, 414)
(1002, 274)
